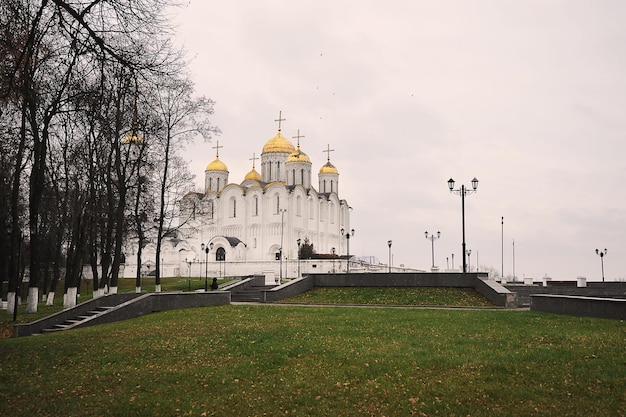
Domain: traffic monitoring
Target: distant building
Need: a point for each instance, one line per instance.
(245, 224)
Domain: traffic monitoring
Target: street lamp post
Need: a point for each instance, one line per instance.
(280, 251)
(205, 249)
(469, 260)
(432, 239)
(350, 233)
(602, 253)
(502, 249)
(299, 242)
(462, 192)
(389, 242)
(18, 274)
(210, 248)
(147, 271)
(513, 260)
(189, 262)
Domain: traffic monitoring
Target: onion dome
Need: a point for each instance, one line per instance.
(328, 168)
(217, 165)
(132, 138)
(253, 176)
(278, 144)
(298, 156)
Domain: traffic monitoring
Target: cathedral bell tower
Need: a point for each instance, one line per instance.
(274, 155)
(216, 173)
(328, 176)
(298, 167)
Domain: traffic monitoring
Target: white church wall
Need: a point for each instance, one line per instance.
(250, 211)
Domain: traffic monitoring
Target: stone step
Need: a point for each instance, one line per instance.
(78, 319)
(246, 299)
(250, 293)
(51, 330)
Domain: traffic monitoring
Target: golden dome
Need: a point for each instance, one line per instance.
(298, 156)
(278, 144)
(217, 165)
(132, 138)
(328, 168)
(253, 175)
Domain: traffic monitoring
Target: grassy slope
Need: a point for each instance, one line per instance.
(280, 360)
(417, 296)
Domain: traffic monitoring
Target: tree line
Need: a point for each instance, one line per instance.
(95, 106)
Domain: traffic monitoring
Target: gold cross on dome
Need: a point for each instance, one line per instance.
(280, 119)
(253, 159)
(218, 149)
(328, 151)
(297, 137)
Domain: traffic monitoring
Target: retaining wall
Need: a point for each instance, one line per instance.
(496, 293)
(593, 289)
(493, 291)
(383, 279)
(607, 308)
(290, 289)
(127, 306)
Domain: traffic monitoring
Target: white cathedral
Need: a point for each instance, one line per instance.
(241, 228)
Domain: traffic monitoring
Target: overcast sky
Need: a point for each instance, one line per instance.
(527, 96)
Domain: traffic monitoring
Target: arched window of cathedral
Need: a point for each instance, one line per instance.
(218, 185)
(331, 185)
(294, 176)
(324, 188)
(277, 204)
(299, 206)
(256, 206)
(211, 209)
(270, 170)
(210, 183)
(278, 171)
(302, 176)
(233, 207)
(254, 242)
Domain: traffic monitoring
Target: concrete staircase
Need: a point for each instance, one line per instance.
(249, 293)
(77, 321)
(593, 289)
(116, 307)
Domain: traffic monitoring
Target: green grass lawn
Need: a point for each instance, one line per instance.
(405, 296)
(321, 361)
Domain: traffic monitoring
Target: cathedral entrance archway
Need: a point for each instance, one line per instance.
(220, 256)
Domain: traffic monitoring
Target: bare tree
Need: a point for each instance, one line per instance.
(50, 46)
(180, 118)
(14, 24)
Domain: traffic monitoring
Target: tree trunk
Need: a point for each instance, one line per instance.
(69, 298)
(32, 299)
(50, 298)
